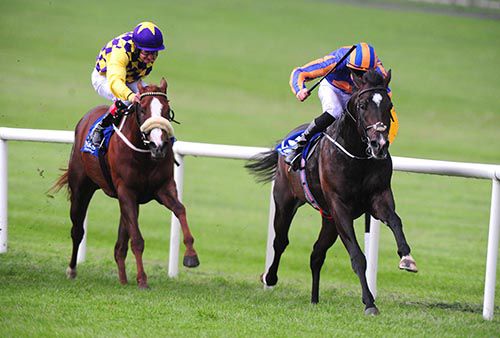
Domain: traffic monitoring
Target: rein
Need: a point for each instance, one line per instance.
(127, 142)
(345, 150)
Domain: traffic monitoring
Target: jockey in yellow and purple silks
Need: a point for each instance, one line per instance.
(336, 89)
(121, 65)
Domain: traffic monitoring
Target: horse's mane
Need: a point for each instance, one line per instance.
(373, 78)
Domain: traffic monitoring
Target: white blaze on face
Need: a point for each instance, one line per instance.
(377, 98)
(155, 135)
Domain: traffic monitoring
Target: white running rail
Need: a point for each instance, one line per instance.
(181, 149)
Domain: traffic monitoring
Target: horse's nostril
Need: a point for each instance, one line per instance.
(374, 144)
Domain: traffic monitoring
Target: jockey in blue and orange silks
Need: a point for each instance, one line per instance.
(120, 66)
(335, 90)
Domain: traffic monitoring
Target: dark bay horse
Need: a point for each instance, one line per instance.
(349, 174)
(140, 164)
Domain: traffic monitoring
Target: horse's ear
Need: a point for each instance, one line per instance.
(387, 79)
(358, 80)
(163, 85)
(140, 86)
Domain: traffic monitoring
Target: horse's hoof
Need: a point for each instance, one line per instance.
(263, 281)
(408, 263)
(123, 281)
(268, 284)
(372, 311)
(143, 286)
(191, 261)
(71, 273)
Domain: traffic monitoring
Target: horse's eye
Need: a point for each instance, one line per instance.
(363, 105)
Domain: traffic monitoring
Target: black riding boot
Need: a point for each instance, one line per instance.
(117, 109)
(319, 124)
(98, 133)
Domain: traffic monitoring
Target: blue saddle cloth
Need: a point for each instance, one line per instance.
(287, 145)
(88, 147)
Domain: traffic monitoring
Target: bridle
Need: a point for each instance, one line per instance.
(148, 125)
(378, 126)
(171, 113)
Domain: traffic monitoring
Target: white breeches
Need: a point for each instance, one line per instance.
(101, 86)
(333, 100)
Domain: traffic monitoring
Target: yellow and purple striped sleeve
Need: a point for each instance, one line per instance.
(310, 71)
(117, 73)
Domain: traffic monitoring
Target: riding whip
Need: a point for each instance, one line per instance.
(331, 70)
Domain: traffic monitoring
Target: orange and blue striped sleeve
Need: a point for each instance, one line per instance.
(393, 130)
(310, 71)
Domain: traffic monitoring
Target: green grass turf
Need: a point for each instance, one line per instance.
(228, 64)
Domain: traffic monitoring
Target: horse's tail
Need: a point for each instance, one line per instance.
(60, 183)
(263, 166)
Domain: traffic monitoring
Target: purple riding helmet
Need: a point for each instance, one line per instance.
(147, 36)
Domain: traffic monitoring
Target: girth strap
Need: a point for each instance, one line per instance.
(105, 169)
(307, 192)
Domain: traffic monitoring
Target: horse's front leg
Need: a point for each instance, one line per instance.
(384, 209)
(168, 197)
(129, 211)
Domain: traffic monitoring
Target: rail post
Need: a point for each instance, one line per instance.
(175, 226)
(3, 195)
(492, 253)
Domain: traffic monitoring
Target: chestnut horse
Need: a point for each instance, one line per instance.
(349, 174)
(140, 163)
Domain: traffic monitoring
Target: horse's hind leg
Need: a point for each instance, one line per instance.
(121, 248)
(345, 229)
(327, 237)
(285, 208)
(168, 197)
(82, 189)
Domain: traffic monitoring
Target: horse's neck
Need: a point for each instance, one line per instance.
(346, 133)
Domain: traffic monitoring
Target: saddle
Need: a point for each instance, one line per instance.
(286, 146)
(88, 147)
